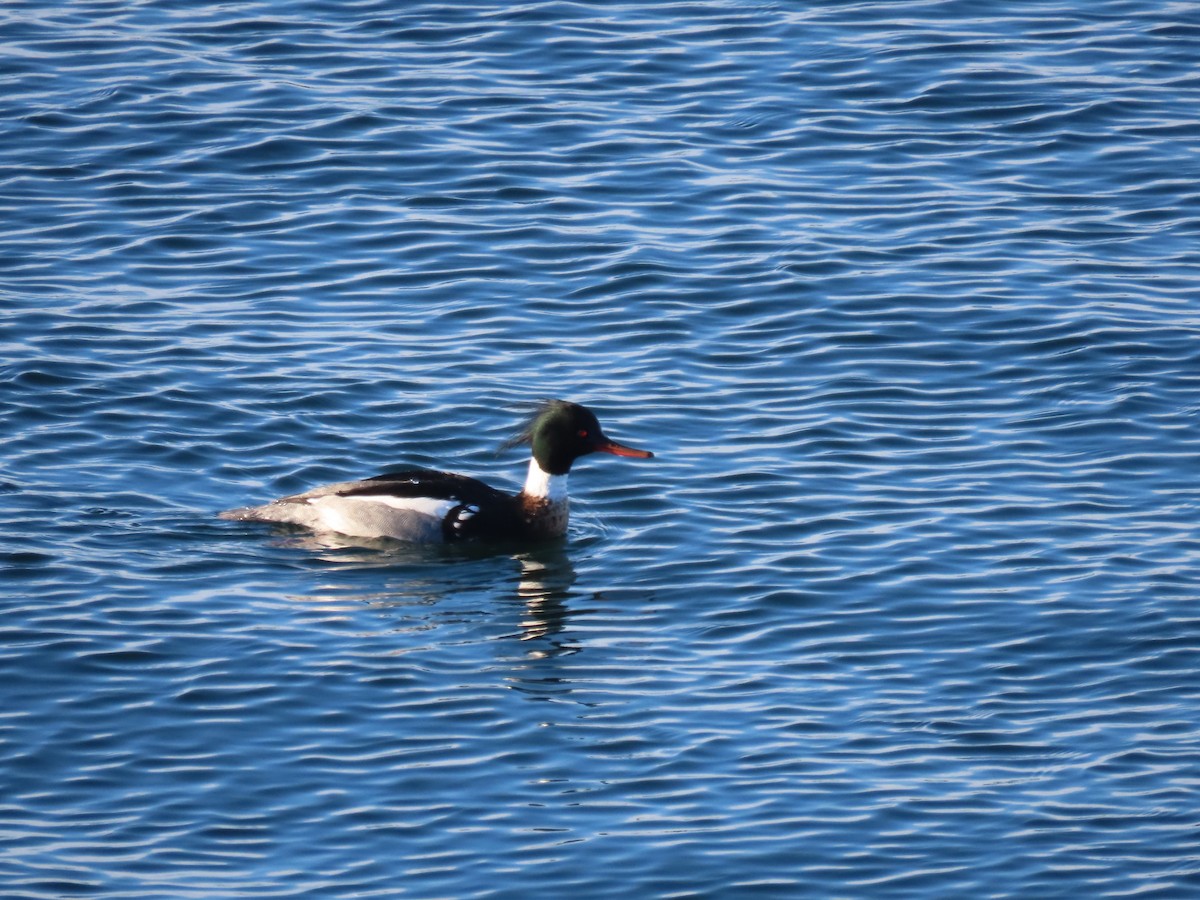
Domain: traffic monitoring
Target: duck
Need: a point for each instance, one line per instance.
(426, 506)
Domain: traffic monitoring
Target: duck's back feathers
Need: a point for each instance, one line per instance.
(421, 505)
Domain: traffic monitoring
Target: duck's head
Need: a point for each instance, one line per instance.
(560, 432)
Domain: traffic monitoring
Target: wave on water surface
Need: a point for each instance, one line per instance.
(902, 296)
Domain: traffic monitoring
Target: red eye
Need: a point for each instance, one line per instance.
(583, 432)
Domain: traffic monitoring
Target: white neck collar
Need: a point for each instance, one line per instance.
(543, 485)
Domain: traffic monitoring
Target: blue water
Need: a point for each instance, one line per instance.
(903, 295)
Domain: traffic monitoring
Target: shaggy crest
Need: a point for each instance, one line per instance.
(524, 437)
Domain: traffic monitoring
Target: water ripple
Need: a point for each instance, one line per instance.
(902, 299)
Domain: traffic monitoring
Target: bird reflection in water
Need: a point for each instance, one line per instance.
(545, 579)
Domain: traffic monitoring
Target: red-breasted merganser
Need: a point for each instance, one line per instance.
(427, 506)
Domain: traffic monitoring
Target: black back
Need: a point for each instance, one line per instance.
(480, 511)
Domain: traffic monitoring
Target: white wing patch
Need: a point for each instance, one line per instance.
(464, 515)
(380, 515)
(426, 506)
